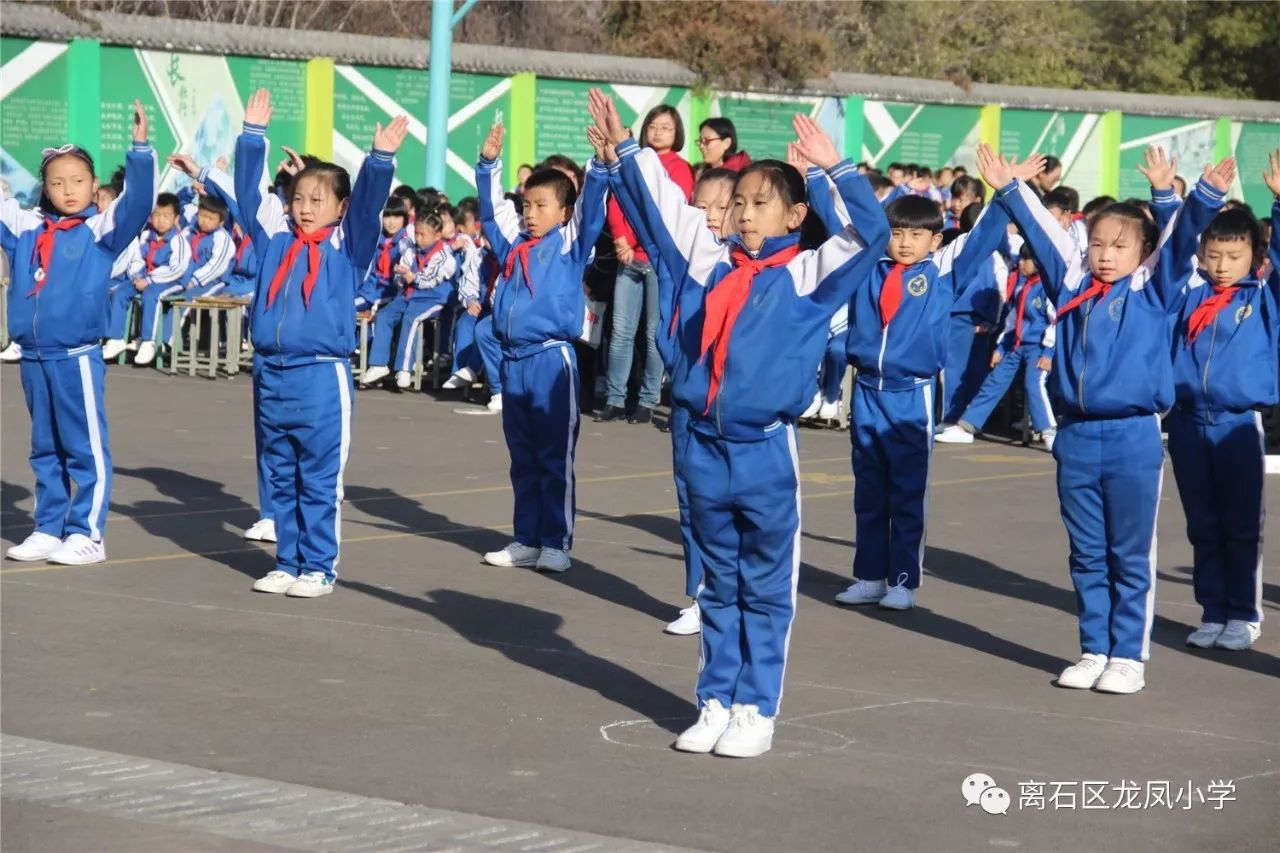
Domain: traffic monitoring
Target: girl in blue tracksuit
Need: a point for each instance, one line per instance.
(62, 256)
(1224, 371)
(302, 325)
(1112, 377)
(898, 336)
(424, 270)
(752, 314)
(1026, 345)
(380, 285)
(538, 311)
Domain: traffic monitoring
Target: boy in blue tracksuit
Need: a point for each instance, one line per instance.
(1026, 345)
(424, 270)
(751, 314)
(1112, 376)
(160, 267)
(1224, 371)
(303, 331)
(471, 291)
(61, 263)
(212, 249)
(538, 311)
(898, 333)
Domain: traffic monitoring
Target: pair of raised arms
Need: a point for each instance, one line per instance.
(1161, 170)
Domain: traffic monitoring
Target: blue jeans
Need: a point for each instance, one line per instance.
(636, 288)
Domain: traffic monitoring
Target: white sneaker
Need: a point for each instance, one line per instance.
(953, 434)
(310, 585)
(863, 592)
(37, 546)
(898, 598)
(1121, 676)
(403, 379)
(553, 560)
(689, 622)
(262, 530)
(1205, 636)
(1085, 674)
(1048, 437)
(513, 555)
(1238, 635)
(748, 734)
(702, 735)
(812, 411)
(146, 353)
(495, 403)
(79, 550)
(375, 374)
(112, 349)
(276, 582)
(461, 379)
(829, 411)
(12, 353)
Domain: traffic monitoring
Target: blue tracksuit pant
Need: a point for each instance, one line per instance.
(69, 442)
(744, 502)
(490, 353)
(968, 356)
(305, 414)
(466, 352)
(1219, 461)
(264, 473)
(1109, 477)
(892, 435)
(157, 319)
(540, 421)
(834, 363)
(997, 384)
(399, 322)
(679, 439)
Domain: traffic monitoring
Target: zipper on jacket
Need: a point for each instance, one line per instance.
(284, 309)
(884, 343)
(1084, 351)
(1204, 381)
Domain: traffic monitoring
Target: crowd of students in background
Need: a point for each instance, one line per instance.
(937, 289)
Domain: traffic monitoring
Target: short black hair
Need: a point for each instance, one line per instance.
(969, 216)
(878, 181)
(170, 201)
(470, 204)
(1063, 198)
(1026, 253)
(715, 173)
(428, 196)
(557, 181)
(1050, 163)
(406, 194)
(396, 206)
(897, 166)
(214, 204)
(562, 163)
(1097, 204)
(959, 170)
(1237, 223)
(965, 184)
(913, 211)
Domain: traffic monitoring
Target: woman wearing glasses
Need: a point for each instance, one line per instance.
(718, 142)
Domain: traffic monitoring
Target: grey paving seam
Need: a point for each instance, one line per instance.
(245, 808)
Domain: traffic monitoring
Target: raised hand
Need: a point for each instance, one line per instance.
(1029, 168)
(796, 159)
(813, 143)
(1272, 176)
(140, 125)
(258, 109)
(185, 164)
(605, 112)
(391, 137)
(995, 170)
(1221, 176)
(293, 163)
(1159, 169)
(606, 152)
(492, 148)
(221, 164)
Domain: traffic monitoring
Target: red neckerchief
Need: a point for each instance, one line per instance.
(312, 243)
(240, 248)
(384, 257)
(154, 246)
(725, 302)
(891, 295)
(1022, 306)
(520, 253)
(44, 246)
(1204, 315)
(196, 236)
(1098, 288)
(435, 249)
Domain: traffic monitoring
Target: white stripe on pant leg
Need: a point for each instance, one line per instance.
(95, 445)
(569, 479)
(1262, 516)
(406, 358)
(344, 401)
(1042, 383)
(155, 319)
(795, 562)
(928, 466)
(1150, 604)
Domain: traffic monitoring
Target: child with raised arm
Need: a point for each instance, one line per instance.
(303, 331)
(898, 334)
(62, 256)
(753, 312)
(537, 315)
(1112, 376)
(1224, 373)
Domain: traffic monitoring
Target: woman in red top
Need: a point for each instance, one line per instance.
(636, 288)
(718, 142)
